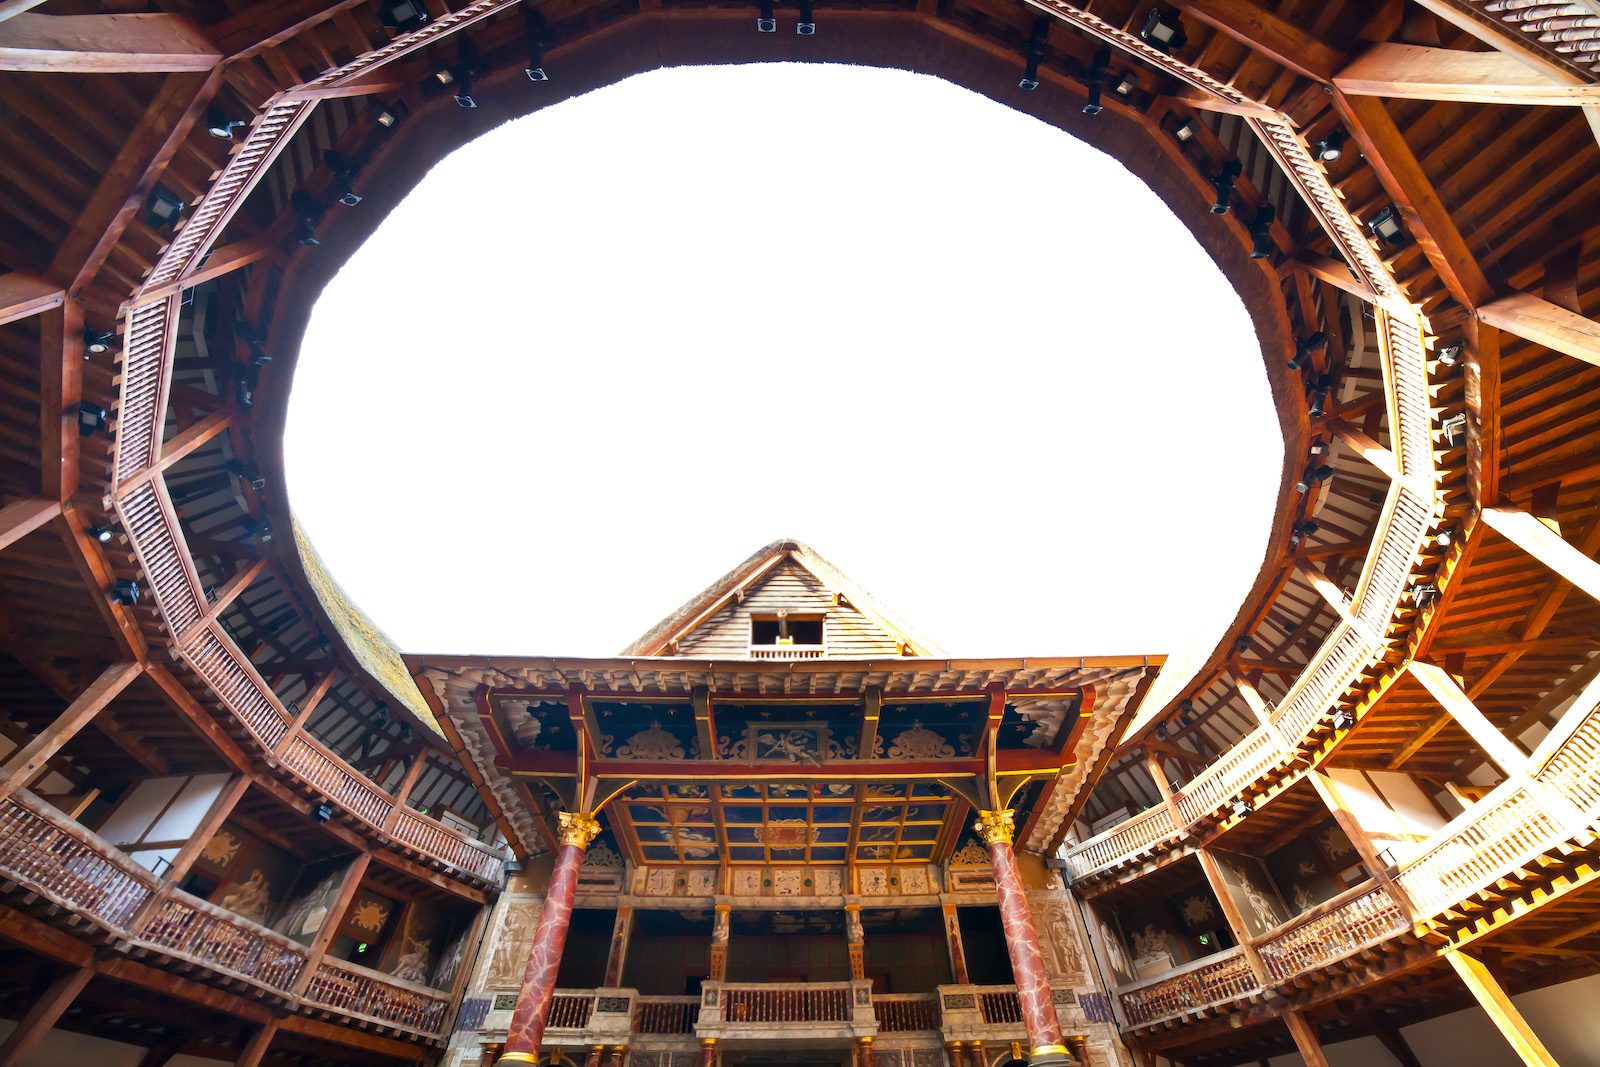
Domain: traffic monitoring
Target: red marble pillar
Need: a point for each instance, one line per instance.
(526, 1033)
(863, 1052)
(976, 1056)
(1022, 944)
(708, 1052)
(596, 1052)
(952, 1051)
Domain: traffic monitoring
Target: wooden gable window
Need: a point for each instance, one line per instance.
(783, 630)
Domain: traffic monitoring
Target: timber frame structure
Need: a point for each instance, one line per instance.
(1414, 230)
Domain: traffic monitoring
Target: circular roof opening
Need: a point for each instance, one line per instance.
(601, 354)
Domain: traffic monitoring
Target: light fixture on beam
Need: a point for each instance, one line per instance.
(1241, 808)
(767, 21)
(102, 534)
(1313, 475)
(389, 115)
(1451, 354)
(1163, 30)
(308, 214)
(1126, 85)
(96, 343)
(1161, 731)
(1343, 720)
(1223, 183)
(124, 591)
(1455, 430)
(403, 16)
(163, 208)
(1261, 243)
(323, 811)
(1186, 130)
(1445, 537)
(247, 472)
(1241, 644)
(1036, 43)
(1424, 595)
(1304, 347)
(219, 125)
(91, 419)
(535, 28)
(1319, 447)
(1331, 147)
(807, 26)
(344, 176)
(1302, 529)
(1387, 227)
(463, 90)
(1096, 81)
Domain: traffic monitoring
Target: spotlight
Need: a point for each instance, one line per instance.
(1319, 447)
(163, 208)
(124, 591)
(1185, 713)
(405, 733)
(256, 338)
(244, 393)
(402, 16)
(807, 26)
(308, 213)
(380, 714)
(323, 811)
(91, 419)
(1223, 184)
(1319, 396)
(768, 22)
(1036, 43)
(247, 472)
(1096, 81)
(463, 91)
(1241, 808)
(389, 115)
(1331, 147)
(1161, 731)
(344, 174)
(96, 343)
(1186, 130)
(219, 125)
(258, 528)
(1305, 346)
(1125, 85)
(1455, 430)
(1241, 644)
(1261, 243)
(1163, 30)
(1343, 720)
(1302, 529)
(535, 29)
(1313, 475)
(1445, 537)
(1424, 594)
(1387, 227)
(102, 534)
(1450, 354)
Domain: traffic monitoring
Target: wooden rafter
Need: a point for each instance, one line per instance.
(104, 44)
(1413, 72)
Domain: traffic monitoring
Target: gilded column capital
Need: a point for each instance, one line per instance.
(996, 827)
(577, 828)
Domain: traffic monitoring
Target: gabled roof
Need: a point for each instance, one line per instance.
(808, 577)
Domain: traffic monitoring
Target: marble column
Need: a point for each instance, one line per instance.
(526, 1033)
(708, 1052)
(596, 1053)
(1022, 944)
(863, 1052)
(976, 1056)
(858, 942)
(719, 943)
(952, 1051)
(619, 1053)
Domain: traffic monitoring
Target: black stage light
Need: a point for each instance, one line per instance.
(1241, 808)
(91, 419)
(768, 21)
(124, 591)
(1261, 243)
(1164, 30)
(1096, 81)
(1186, 130)
(163, 208)
(344, 175)
(807, 26)
(405, 733)
(219, 125)
(380, 714)
(535, 29)
(1241, 644)
(402, 16)
(463, 90)
(1387, 227)
(1331, 147)
(1451, 353)
(1223, 183)
(1161, 731)
(1423, 594)
(1319, 447)
(1305, 346)
(308, 213)
(1125, 85)
(1343, 720)
(389, 115)
(322, 812)
(1455, 430)
(103, 534)
(96, 343)
(1036, 43)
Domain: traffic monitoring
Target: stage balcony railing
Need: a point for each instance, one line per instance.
(906, 1012)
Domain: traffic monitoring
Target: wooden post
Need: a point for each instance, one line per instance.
(25, 764)
(1488, 736)
(1230, 911)
(50, 1006)
(1504, 1014)
(1546, 324)
(1333, 798)
(408, 782)
(215, 816)
(256, 1048)
(1305, 1039)
(617, 958)
(1395, 1042)
(952, 940)
(20, 518)
(330, 925)
(307, 706)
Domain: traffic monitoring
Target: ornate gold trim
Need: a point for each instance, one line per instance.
(516, 1057)
(578, 828)
(996, 827)
(1048, 1050)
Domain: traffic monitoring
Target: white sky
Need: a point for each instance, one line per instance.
(604, 352)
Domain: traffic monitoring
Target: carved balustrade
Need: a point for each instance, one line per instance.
(904, 1012)
(1350, 922)
(666, 1015)
(1204, 984)
(48, 855)
(998, 1005)
(570, 1010)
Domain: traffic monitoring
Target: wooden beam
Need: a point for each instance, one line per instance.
(60, 392)
(1538, 320)
(1366, 448)
(1429, 220)
(1305, 1039)
(1505, 754)
(104, 44)
(1252, 696)
(215, 816)
(872, 706)
(1500, 37)
(1336, 273)
(1482, 381)
(261, 25)
(12, 8)
(51, 1005)
(256, 1048)
(230, 591)
(331, 923)
(1544, 545)
(221, 261)
(126, 184)
(1258, 28)
(1412, 72)
(23, 295)
(27, 761)
(20, 518)
(199, 718)
(1501, 1011)
(1204, 101)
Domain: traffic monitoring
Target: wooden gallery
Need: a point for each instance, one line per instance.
(782, 829)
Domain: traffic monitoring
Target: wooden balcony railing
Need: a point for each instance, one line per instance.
(999, 1005)
(570, 1010)
(666, 1015)
(822, 1002)
(906, 1012)
(52, 857)
(787, 651)
(383, 998)
(1345, 925)
(1205, 983)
